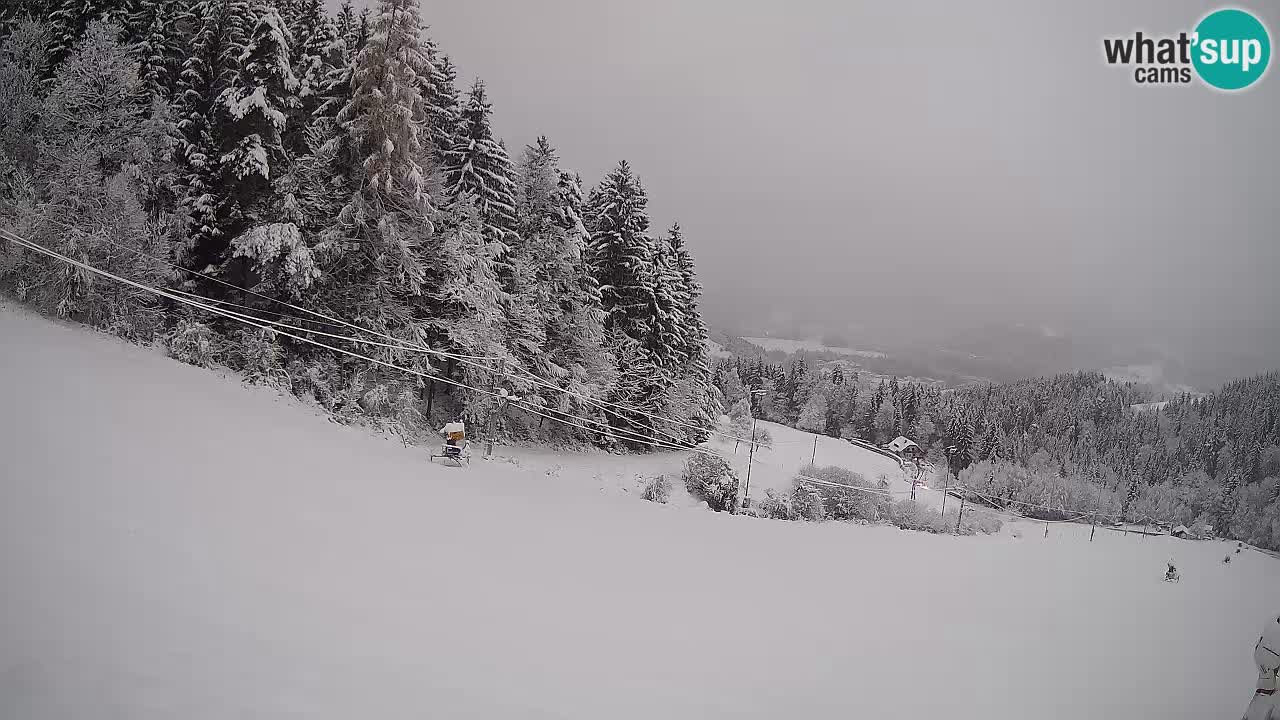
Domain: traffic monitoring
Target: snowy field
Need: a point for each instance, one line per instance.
(791, 346)
(176, 545)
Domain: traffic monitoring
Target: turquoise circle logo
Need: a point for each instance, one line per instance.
(1232, 49)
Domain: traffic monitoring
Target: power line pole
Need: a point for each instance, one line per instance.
(488, 429)
(814, 457)
(751, 453)
(946, 484)
(960, 515)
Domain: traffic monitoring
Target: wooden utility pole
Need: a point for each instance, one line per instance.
(493, 409)
(960, 515)
(1093, 529)
(751, 454)
(814, 457)
(946, 484)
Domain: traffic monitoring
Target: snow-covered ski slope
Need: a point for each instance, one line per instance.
(176, 545)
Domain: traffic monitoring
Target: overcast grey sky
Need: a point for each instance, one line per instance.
(936, 163)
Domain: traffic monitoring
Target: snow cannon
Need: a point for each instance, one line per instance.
(455, 448)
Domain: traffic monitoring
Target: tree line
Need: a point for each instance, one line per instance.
(1064, 444)
(253, 152)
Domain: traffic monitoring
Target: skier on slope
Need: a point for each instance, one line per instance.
(1266, 703)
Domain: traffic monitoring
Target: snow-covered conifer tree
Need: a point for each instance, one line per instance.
(376, 247)
(252, 114)
(478, 166)
(444, 114)
(552, 267)
(669, 329)
(211, 67)
(621, 254)
(158, 46)
(348, 28)
(317, 52)
(68, 20)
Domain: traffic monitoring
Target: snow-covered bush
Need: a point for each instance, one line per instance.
(975, 522)
(855, 499)
(657, 490)
(376, 400)
(256, 353)
(712, 480)
(807, 503)
(911, 515)
(774, 505)
(194, 343)
(800, 502)
(278, 252)
(316, 378)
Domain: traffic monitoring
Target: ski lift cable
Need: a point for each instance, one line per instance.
(181, 297)
(1080, 513)
(606, 405)
(415, 348)
(262, 325)
(332, 321)
(703, 451)
(267, 325)
(338, 322)
(277, 324)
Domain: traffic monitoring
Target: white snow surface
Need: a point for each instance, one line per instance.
(174, 544)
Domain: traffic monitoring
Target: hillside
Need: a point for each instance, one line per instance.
(245, 557)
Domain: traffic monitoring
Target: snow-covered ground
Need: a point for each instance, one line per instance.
(176, 545)
(791, 346)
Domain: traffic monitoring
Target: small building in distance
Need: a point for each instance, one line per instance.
(905, 448)
(1181, 532)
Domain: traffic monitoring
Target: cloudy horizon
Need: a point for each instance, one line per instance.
(874, 166)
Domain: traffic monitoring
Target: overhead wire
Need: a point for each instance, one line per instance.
(206, 305)
(338, 322)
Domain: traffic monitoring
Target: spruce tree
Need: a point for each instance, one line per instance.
(467, 303)
(211, 67)
(376, 249)
(668, 338)
(620, 252)
(68, 20)
(348, 29)
(558, 289)
(158, 48)
(252, 115)
(621, 257)
(444, 114)
(694, 338)
(364, 31)
(478, 166)
(317, 52)
(253, 110)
